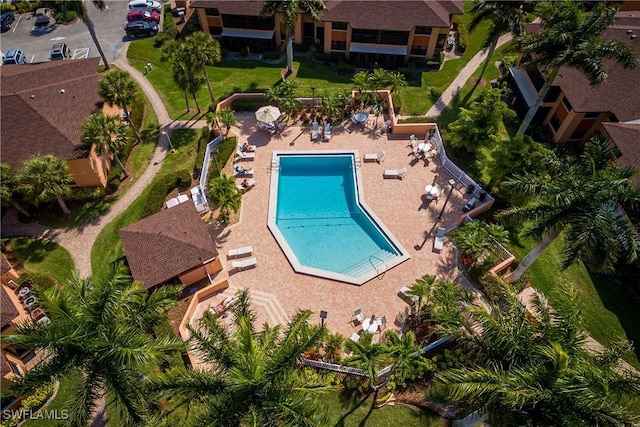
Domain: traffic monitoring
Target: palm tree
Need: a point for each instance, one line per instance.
(8, 187)
(587, 198)
(480, 239)
(369, 357)
(252, 377)
(408, 363)
(105, 133)
(44, 178)
(100, 328)
(203, 50)
(538, 372)
(289, 11)
(362, 82)
(118, 88)
(421, 288)
(81, 9)
(227, 117)
(505, 16)
(571, 38)
(225, 194)
(396, 80)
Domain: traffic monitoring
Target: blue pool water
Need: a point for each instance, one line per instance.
(319, 215)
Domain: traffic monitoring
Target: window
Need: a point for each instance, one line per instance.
(211, 11)
(248, 22)
(579, 134)
(423, 30)
(338, 45)
(215, 31)
(380, 36)
(566, 103)
(553, 94)
(555, 123)
(418, 50)
(593, 115)
(339, 26)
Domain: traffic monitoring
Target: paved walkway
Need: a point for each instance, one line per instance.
(79, 241)
(464, 75)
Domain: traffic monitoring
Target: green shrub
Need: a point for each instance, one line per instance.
(31, 403)
(38, 280)
(345, 67)
(397, 102)
(462, 37)
(272, 54)
(113, 179)
(328, 57)
(224, 53)
(72, 15)
(304, 47)
(88, 193)
(165, 35)
(183, 178)
(417, 119)
(25, 7)
(247, 104)
(161, 187)
(6, 7)
(225, 150)
(244, 51)
(137, 117)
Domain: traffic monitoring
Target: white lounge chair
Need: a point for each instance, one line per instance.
(251, 149)
(374, 157)
(244, 264)
(240, 252)
(243, 173)
(241, 155)
(250, 184)
(382, 323)
(314, 131)
(395, 173)
(438, 241)
(358, 316)
(327, 131)
(404, 294)
(355, 337)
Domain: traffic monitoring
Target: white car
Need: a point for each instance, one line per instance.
(145, 4)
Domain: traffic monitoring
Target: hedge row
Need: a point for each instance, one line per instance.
(31, 403)
(37, 280)
(163, 186)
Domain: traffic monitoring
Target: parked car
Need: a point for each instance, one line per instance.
(14, 56)
(145, 4)
(60, 51)
(141, 28)
(144, 14)
(43, 16)
(6, 19)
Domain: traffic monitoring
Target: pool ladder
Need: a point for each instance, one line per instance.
(356, 163)
(380, 275)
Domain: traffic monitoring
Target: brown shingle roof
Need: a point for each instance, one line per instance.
(4, 264)
(8, 310)
(395, 15)
(237, 7)
(626, 136)
(167, 244)
(4, 365)
(36, 118)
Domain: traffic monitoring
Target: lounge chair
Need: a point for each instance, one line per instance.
(243, 173)
(358, 317)
(251, 149)
(405, 295)
(327, 132)
(382, 323)
(241, 155)
(374, 157)
(250, 184)
(240, 252)
(438, 241)
(244, 264)
(314, 131)
(355, 337)
(395, 173)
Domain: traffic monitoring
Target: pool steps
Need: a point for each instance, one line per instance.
(378, 260)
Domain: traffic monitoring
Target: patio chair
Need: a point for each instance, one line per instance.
(241, 155)
(241, 173)
(374, 157)
(382, 323)
(355, 337)
(358, 317)
(327, 132)
(404, 294)
(248, 186)
(244, 264)
(438, 241)
(395, 173)
(240, 252)
(413, 141)
(314, 131)
(251, 149)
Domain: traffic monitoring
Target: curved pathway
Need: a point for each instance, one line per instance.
(80, 240)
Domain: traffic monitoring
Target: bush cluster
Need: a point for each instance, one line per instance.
(462, 38)
(327, 57)
(72, 15)
(31, 403)
(272, 54)
(161, 187)
(37, 280)
(87, 193)
(247, 104)
(25, 6)
(6, 7)
(345, 67)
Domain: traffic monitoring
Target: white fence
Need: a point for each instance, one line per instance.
(204, 174)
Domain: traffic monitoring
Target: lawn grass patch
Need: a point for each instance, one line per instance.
(63, 400)
(43, 257)
(107, 247)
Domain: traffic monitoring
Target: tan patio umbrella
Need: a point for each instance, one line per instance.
(267, 114)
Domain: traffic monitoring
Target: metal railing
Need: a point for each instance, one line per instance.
(204, 175)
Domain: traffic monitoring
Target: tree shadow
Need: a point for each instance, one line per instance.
(31, 249)
(346, 400)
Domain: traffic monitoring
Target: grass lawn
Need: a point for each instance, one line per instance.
(42, 256)
(65, 395)
(345, 411)
(107, 247)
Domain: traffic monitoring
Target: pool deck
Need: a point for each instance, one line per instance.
(400, 204)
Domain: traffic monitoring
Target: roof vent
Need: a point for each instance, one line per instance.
(32, 97)
(62, 91)
(629, 31)
(634, 36)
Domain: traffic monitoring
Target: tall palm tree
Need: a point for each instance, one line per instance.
(44, 178)
(8, 187)
(538, 372)
(225, 194)
(203, 50)
(479, 239)
(100, 328)
(368, 356)
(81, 9)
(118, 88)
(421, 289)
(289, 11)
(569, 37)
(505, 16)
(252, 378)
(228, 118)
(587, 199)
(408, 363)
(105, 133)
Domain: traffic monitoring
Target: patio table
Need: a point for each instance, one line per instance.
(370, 325)
(361, 117)
(431, 190)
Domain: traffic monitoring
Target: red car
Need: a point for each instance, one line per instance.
(148, 15)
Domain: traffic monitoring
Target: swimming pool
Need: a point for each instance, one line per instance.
(320, 221)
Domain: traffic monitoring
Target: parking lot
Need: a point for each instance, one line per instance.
(36, 42)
